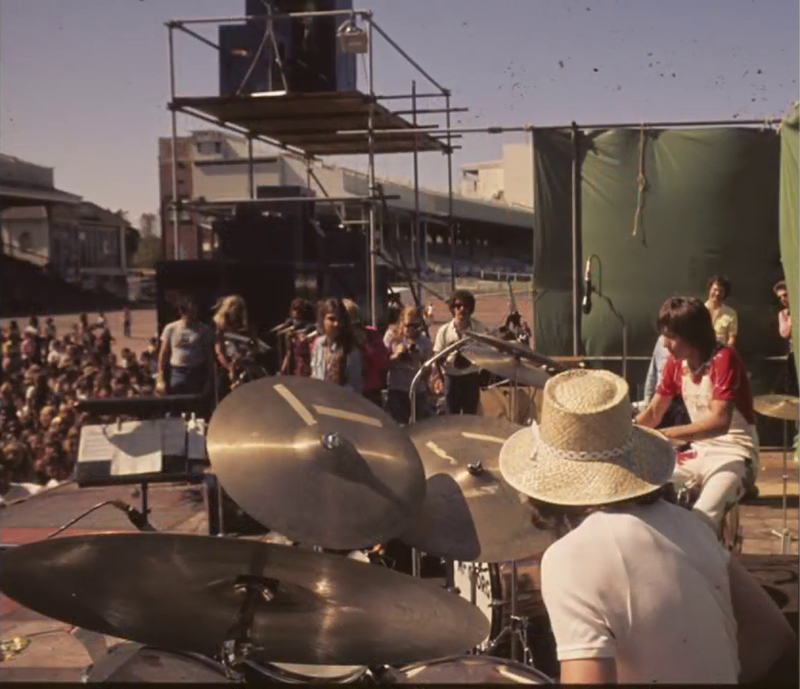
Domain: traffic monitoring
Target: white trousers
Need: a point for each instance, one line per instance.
(721, 477)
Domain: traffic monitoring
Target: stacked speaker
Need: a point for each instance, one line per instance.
(310, 61)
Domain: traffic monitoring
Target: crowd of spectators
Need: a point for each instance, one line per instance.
(45, 373)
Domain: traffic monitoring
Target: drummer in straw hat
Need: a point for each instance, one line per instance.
(637, 589)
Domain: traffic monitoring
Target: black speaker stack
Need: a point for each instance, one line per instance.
(307, 47)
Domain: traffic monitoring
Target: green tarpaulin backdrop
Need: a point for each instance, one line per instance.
(708, 203)
(788, 218)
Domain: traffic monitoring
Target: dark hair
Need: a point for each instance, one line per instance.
(185, 304)
(689, 319)
(780, 285)
(551, 517)
(724, 284)
(336, 307)
(305, 311)
(465, 297)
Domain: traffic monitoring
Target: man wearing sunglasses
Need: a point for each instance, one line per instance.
(462, 383)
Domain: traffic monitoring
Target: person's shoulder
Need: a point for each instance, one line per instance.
(726, 357)
(727, 310)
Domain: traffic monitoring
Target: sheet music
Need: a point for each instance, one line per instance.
(95, 445)
(132, 447)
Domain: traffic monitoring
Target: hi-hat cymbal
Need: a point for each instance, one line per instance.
(316, 462)
(514, 349)
(470, 513)
(189, 593)
(777, 406)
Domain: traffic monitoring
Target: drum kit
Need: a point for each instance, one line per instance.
(787, 409)
(334, 476)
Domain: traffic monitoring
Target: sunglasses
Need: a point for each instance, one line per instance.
(413, 325)
(459, 305)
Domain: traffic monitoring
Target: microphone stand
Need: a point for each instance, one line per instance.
(599, 292)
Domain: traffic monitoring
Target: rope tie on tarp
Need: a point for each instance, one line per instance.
(641, 182)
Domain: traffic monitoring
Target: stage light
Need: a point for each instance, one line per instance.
(352, 39)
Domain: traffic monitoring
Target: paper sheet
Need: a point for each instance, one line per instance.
(196, 440)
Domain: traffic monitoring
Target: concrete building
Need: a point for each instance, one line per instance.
(508, 180)
(75, 239)
(213, 166)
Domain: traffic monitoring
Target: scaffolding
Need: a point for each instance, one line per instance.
(313, 125)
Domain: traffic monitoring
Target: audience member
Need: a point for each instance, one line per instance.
(723, 317)
(408, 349)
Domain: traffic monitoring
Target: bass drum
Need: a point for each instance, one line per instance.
(470, 670)
(488, 587)
(131, 662)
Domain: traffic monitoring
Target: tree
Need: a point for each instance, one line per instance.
(149, 253)
(132, 240)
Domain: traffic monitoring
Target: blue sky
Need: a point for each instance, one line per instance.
(84, 83)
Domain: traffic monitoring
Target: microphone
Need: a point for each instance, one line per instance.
(586, 304)
(280, 326)
(136, 517)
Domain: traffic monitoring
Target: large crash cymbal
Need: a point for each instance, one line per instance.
(514, 349)
(186, 593)
(470, 513)
(316, 462)
(521, 371)
(777, 406)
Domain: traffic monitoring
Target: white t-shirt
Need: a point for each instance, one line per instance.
(647, 585)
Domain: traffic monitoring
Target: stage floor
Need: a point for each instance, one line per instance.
(53, 655)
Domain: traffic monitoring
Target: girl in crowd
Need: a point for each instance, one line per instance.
(230, 317)
(723, 317)
(335, 357)
(408, 349)
(297, 361)
(374, 356)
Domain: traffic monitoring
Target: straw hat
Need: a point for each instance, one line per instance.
(586, 450)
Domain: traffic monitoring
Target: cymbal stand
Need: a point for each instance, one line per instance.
(239, 645)
(784, 534)
(516, 628)
(416, 562)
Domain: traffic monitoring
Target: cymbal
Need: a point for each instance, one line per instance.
(470, 513)
(521, 371)
(186, 593)
(514, 349)
(777, 406)
(315, 462)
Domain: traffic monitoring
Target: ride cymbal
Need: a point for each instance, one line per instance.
(194, 593)
(316, 462)
(522, 372)
(514, 349)
(470, 513)
(777, 406)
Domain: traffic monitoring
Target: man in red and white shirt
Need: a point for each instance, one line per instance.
(716, 390)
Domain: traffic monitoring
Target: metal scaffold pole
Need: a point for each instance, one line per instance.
(373, 288)
(175, 201)
(416, 242)
(450, 197)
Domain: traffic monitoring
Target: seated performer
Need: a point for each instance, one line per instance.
(297, 361)
(715, 388)
(335, 356)
(636, 591)
(462, 385)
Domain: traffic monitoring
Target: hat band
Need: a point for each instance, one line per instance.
(578, 455)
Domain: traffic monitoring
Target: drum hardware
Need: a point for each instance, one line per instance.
(137, 518)
(426, 366)
(784, 407)
(298, 453)
(517, 627)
